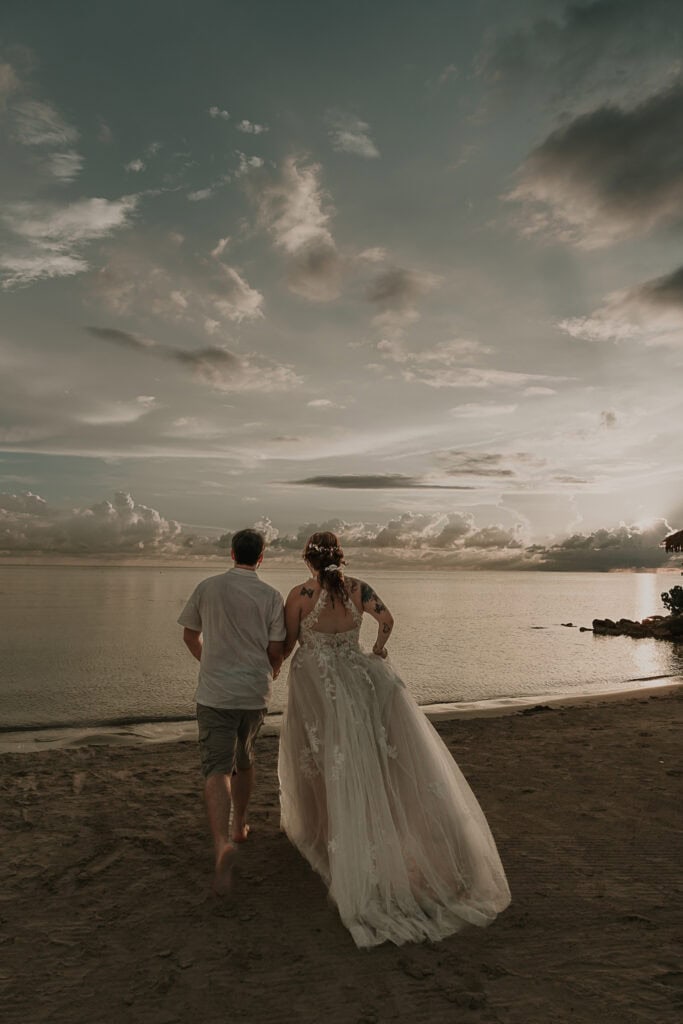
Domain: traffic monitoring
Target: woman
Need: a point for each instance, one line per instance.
(370, 795)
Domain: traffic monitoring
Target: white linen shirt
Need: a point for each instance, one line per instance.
(238, 615)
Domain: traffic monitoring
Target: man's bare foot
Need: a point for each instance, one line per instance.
(240, 835)
(225, 865)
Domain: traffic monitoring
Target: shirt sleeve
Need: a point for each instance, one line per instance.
(190, 617)
(276, 626)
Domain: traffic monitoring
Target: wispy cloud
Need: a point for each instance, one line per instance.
(349, 134)
(214, 365)
(194, 290)
(49, 239)
(297, 213)
(41, 124)
(219, 112)
(441, 366)
(650, 313)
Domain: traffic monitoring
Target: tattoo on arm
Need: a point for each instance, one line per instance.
(386, 628)
(368, 595)
(306, 592)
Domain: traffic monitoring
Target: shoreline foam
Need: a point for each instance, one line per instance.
(28, 740)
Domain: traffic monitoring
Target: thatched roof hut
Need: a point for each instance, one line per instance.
(674, 542)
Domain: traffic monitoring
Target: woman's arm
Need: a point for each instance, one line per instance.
(379, 611)
(292, 620)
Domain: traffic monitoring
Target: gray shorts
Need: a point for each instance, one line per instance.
(226, 738)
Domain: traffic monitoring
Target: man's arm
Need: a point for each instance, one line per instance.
(193, 641)
(275, 654)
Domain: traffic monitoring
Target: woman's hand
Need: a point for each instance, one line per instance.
(381, 653)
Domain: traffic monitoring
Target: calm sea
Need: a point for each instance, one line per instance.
(90, 645)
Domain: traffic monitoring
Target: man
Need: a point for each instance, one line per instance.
(234, 627)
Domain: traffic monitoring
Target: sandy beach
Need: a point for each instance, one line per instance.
(106, 912)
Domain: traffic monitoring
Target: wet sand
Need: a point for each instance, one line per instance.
(106, 912)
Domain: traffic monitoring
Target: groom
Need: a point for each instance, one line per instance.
(234, 626)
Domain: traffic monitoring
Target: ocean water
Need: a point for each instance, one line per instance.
(84, 645)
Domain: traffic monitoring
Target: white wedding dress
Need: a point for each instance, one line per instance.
(372, 798)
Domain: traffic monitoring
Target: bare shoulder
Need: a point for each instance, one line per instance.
(303, 591)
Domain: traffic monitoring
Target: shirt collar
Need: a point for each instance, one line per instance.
(243, 572)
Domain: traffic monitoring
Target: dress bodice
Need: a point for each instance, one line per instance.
(309, 636)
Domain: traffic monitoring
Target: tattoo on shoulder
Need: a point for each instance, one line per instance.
(353, 585)
(306, 591)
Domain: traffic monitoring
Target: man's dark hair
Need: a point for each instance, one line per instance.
(247, 546)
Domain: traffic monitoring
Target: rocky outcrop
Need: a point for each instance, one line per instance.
(662, 627)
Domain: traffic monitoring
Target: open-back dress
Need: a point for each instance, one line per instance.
(372, 798)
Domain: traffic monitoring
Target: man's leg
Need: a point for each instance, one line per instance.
(217, 738)
(242, 781)
(241, 785)
(217, 789)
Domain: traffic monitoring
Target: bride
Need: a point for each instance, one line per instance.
(369, 792)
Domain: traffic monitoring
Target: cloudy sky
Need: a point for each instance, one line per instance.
(412, 266)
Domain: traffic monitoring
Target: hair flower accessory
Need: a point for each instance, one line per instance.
(332, 568)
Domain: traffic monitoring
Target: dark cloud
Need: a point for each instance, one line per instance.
(398, 288)
(467, 463)
(216, 366)
(314, 271)
(382, 481)
(123, 338)
(609, 174)
(619, 49)
(666, 291)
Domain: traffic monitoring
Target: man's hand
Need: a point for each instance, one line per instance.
(193, 642)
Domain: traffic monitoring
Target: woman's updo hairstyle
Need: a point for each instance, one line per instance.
(325, 555)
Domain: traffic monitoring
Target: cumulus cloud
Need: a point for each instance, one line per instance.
(214, 365)
(621, 547)
(29, 524)
(349, 134)
(609, 174)
(251, 128)
(651, 313)
(584, 54)
(122, 527)
(218, 112)
(135, 166)
(49, 238)
(296, 213)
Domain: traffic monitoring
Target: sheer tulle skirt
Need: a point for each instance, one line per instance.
(372, 798)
